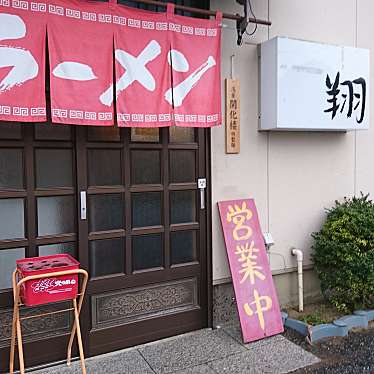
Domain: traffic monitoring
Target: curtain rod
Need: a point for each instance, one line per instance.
(205, 12)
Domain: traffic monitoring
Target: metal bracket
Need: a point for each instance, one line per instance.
(83, 205)
(201, 184)
(242, 23)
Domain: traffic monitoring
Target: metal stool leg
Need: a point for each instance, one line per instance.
(13, 340)
(20, 346)
(79, 336)
(14, 327)
(71, 340)
(12, 346)
(74, 329)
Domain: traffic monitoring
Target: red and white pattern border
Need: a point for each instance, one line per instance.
(81, 115)
(7, 110)
(104, 18)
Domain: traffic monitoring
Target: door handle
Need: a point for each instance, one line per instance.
(83, 205)
(201, 183)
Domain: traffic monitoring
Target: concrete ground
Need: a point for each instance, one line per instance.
(201, 352)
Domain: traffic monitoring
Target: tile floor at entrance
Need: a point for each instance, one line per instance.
(201, 352)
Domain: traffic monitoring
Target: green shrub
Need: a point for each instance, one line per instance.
(314, 319)
(344, 254)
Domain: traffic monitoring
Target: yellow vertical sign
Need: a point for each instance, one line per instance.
(232, 119)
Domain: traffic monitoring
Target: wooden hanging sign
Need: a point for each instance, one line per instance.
(232, 119)
(255, 293)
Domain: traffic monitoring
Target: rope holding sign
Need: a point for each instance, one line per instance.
(219, 17)
(170, 9)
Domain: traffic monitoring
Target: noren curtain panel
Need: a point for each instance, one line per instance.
(108, 63)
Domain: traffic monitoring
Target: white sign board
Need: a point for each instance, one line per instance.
(312, 86)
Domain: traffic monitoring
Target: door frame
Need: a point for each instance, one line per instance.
(209, 211)
(205, 288)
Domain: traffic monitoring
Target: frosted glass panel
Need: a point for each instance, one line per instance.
(145, 135)
(181, 134)
(182, 166)
(55, 215)
(104, 167)
(11, 168)
(12, 224)
(8, 259)
(107, 257)
(106, 212)
(54, 168)
(53, 249)
(183, 246)
(146, 209)
(47, 131)
(145, 167)
(147, 251)
(183, 206)
(103, 134)
(10, 130)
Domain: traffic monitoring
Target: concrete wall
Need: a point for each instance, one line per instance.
(292, 176)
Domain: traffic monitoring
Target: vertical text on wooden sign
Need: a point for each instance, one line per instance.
(232, 120)
(255, 295)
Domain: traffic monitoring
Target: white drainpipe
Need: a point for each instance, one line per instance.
(299, 256)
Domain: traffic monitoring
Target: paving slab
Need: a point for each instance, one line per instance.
(200, 352)
(125, 362)
(235, 332)
(200, 369)
(282, 356)
(190, 350)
